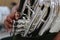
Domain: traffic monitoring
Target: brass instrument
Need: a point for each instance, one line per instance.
(39, 15)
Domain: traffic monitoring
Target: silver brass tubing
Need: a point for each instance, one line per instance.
(30, 23)
(52, 16)
(40, 19)
(24, 6)
(34, 21)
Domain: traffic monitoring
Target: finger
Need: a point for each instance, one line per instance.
(7, 29)
(9, 20)
(15, 8)
(12, 16)
(8, 26)
(17, 15)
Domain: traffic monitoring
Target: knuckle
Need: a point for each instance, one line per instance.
(4, 21)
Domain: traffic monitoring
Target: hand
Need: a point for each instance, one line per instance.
(57, 36)
(9, 20)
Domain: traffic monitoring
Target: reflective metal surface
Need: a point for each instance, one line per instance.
(41, 11)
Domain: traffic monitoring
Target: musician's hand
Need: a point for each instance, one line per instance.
(9, 20)
(57, 37)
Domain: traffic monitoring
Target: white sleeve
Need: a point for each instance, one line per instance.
(0, 18)
(5, 11)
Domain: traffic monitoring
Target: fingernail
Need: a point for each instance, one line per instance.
(11, 21)
(16, 18)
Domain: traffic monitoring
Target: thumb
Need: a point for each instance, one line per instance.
(17, 15)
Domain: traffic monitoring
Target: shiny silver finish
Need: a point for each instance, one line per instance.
(26, 26)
